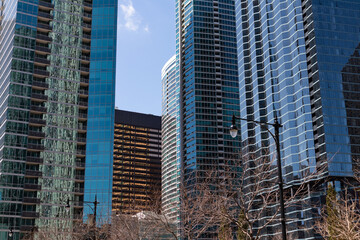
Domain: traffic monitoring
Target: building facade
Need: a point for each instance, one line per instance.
(170, 157)
(46, 49)
(206, 93)
(137, 163)
(297, 61)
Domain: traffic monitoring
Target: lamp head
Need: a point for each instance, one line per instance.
(233, 131)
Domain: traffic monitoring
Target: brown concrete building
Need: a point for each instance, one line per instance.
(137, 162)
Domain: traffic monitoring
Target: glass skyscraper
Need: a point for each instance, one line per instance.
(52, 53)
(199, 97)
(298, 61)
(101, 115)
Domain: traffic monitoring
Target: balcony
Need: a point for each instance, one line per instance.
(28, 228)
(34, 160)
(82, 116)
(83, 104)
(84, 69)
(33, 173)
(45, 5)
(30, 214)
(82, 128)
(37, 109)
(43, 37)
(79, 164)
(36, 134)
(31, 201)
(87, 5)
(87, 36)
(81, 152)
(41, 73)
(80, 177)
(39, 97)
(79, 190)
(87, 15)
(40, 85)
(81, 140)
(42, 49)
(85, 58)
(85, 47)
(46, 27)
(45, 15)
(35, 147)
(34, 187)
(83, 92)
(37, 122)
(84, 81)
(42, 61)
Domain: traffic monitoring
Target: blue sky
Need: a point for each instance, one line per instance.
(146, 40)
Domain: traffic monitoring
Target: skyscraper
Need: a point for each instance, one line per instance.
(297, 61)
(137, 163)
(206, 94)
(45, 52)
(170, 157)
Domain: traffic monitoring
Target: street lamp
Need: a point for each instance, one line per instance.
(276, 137)
(11, 233)
(87, 203)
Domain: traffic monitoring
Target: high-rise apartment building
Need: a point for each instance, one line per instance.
(137, 163)
(51, 54)
(170, 157)
(298, 61)
(200, 95)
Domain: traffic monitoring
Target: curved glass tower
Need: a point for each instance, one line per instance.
(297, 61)
(170, 139)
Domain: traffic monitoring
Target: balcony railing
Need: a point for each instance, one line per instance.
(41, 72)
(32, 187)
(39, 96)
(36, 146)
(33, 173)
(84, 80)
(36, 134)
(82, 115)
(42, 60)
(37, 121)
(43, 37)
(42, 49)
(81, 152)
(82, 103)
(87, 47)
(80, 164)
(81, 140)
(87, 15)
(46, 4)
(40, 84)
(31, 200)
(44, 15)
(82, 128)
(44, 26)
(38, 109)
(80, 177)
(34, 160)
(30, 214)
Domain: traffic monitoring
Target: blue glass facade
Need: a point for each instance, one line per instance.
(100, 132)
(297, 61)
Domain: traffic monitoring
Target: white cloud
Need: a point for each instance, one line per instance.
(130, 18)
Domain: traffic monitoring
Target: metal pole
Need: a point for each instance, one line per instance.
(95, 207)
(280, 180)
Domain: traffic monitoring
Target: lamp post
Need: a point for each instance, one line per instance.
(88, 203)
(11, 233)
(276, 137)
